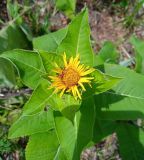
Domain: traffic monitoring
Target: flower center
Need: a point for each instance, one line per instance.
(70, 77)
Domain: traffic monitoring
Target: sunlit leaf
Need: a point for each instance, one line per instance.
(28, 64)
(32, 124)
(43, 146)
(50, 41)
(77, 40)
(125, 100)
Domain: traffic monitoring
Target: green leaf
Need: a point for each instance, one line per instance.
(38, 99)
(34, 119)
(29, 65)
(50, 41)
(84, 126)
(79, 134)
(139, 49)
(11, 37)
(7, 75)
(46, 144)
(130, 85)
(109, 53)
(43, 146)
(131, 142)
(68, 6)
(126, 100)
(101, 83)
(32, 124)
(66, 134)
(77, 40)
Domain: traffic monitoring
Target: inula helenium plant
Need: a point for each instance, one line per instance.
(78, 99)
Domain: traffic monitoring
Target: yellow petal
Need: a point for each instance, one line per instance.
(76, 63)
(82, 86)
(74, 92)
(52, 77)
(85, 79)
(62, 92)
(58, 70)
(71, 61)
(80, 67)
(78, 92)
(87, 72)
(76, 59)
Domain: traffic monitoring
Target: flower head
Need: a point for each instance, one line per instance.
(72, 76)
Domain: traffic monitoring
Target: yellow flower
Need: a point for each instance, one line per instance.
(71, 77)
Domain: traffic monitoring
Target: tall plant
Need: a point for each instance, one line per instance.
(96, 98)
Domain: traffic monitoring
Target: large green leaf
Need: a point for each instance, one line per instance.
(79, 134)
(32, 124)
(126, 99)
(77, 40)
(43, 146)
(53, 145)
(50, 41)
(131, 142)
(29, 65)
(139, 49)
(33, 117)
(69, 137)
